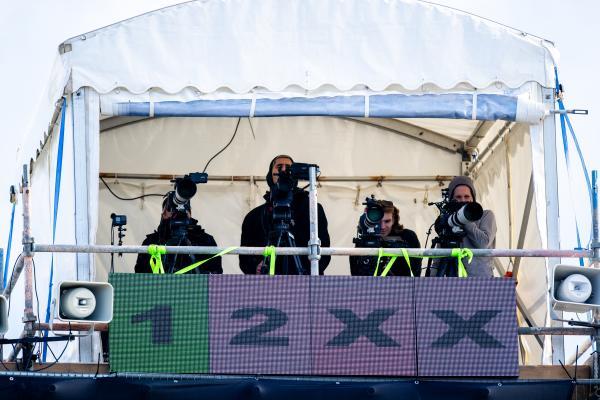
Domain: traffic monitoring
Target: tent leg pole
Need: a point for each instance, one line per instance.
(314, 244)
(552, 210)
(85, 114)
(595, 263)
(29, 317)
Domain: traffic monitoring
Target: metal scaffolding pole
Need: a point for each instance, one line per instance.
(251, 178)
(29, 318)
(304, 251)
(595, 258)
(314, 243)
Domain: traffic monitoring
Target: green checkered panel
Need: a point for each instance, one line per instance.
(160, 323)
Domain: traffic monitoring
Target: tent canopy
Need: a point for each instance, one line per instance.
(306, 45)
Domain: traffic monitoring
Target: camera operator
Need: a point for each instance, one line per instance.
(391, 235)
(258, 225)
(478, 234)
(165, 235)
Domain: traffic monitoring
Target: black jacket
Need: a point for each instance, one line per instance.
(365, 266)
(257, 224)
(196, 237)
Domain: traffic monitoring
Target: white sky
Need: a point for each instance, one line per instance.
(30, 32)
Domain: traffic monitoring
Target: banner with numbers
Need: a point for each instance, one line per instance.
(303, 325)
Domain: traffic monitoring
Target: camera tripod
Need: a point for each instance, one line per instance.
(280, 236)
(179, 236)
(446, 266)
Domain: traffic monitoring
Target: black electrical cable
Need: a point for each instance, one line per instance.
(226, 146)
(428, 267)
(131, 198)
(97, 367)
(251, 128)
(172, 268)
(53, 355)
(428, 234)
(59, 356)
(57, 359)
(1, 359)
(112, 242)
(565, 368)
(15, 353)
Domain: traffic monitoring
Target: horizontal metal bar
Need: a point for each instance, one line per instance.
(419, 133)
(73, 326)
(35, 339)
(573, 111)
(36, 374)
(249, 178)
(558, 331)
(587, 382)
(326, 251)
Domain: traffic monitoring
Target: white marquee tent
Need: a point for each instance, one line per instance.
(388, 97)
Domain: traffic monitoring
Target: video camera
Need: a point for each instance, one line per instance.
(178, 203)
(368, 231)
(282, 193)
(453, 216)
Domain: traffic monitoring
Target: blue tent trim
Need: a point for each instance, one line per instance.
(488, 107)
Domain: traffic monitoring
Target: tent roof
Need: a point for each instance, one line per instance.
(241, 46)
(227, 49)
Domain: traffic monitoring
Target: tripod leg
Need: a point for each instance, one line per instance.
(295, 257)
(284, 261)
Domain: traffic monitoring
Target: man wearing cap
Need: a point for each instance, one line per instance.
(480, 234)
(172, 223)
(258, 224)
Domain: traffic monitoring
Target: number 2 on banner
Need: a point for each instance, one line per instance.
(254, 336)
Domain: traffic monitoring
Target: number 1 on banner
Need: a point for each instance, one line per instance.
(160, 323)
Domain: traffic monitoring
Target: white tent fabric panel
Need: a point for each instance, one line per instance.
(460, 129)
(305, 43)
(341, 147)
(502, 185)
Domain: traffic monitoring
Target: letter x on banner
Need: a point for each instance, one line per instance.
(302, 325)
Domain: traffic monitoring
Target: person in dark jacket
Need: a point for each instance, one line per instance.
(393, 235)
(258, 226)
(194, 236)
(480, 234)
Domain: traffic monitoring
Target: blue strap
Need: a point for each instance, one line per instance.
(7, 259)
(564, 122)
(57, 178)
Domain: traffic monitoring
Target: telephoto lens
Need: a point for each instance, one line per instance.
(470, 212)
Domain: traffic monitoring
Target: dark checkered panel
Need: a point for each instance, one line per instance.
(466, 327)
(363, 326)
(259, 324)
(160, 323)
